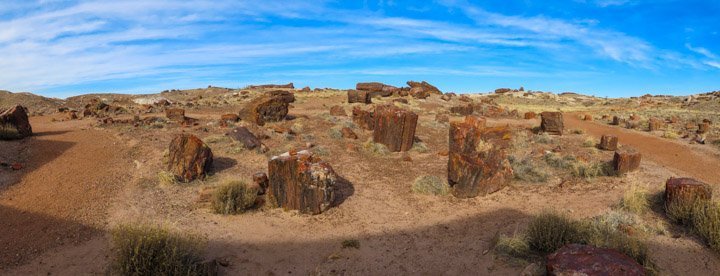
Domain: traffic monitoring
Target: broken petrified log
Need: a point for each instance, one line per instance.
(463, 110)
(530, 115)
(377, 89)
(478, 163)
(552, 122)
(355, 96)
(577, 259)
(422, 89)
(608, 142)
(175, 114)
(348, 133)
(230, 118)
(394, 127)
(617, 121)
(655, 124)
(244, 136)
(299, 181)
(626, 160)
(363, 118)
(190, 158)
(588, 118)
(14, 123)
(686, 190)
(267, 108)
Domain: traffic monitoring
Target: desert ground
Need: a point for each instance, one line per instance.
(80, 175)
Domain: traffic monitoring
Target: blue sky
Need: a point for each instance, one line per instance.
(600, 47)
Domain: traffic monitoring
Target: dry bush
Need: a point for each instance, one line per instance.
(635, 200)
(591, 170)
(420, 147)
(430, 185)
(150, 250)
(166, 178)
(669, 134)
(515, 246)
(589, 142)
(543, 138)
(335, 133)
(234, 197)
(528, 170)
(706, 222)
(214, 139)
(547, 232)
(351, 244)
(376, 149)
(9, 132)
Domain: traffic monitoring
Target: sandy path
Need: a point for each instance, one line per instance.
(71, 175)
(675, 156)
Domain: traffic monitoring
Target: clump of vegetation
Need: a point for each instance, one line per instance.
(9, 132)
(528, 170)
(165, 177)
(149, 250)
(589, 142)
(217, 139)
(669, 134)
(320, 151)
(543, 138)
(578, 168)
(351, 244)
(635, 200)
(335, 133)
(297, 127)
(513, 246)
(547, 232)
(375, 148)
(706, 222)
(577, 131)
(420, 147)
(430, 185)
(234, 197)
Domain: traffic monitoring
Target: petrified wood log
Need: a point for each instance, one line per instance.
(686, 190)
(190, 158)
(608, 142)
(618, 121)
(552, 122)
(299, 181)
(355, 96)
(588, 117)
(577, 259)
(175, 114)
(703, 128)
(266, 108)
(394, 127)
(377, 89)
(530, 115)
(463, 110)
(655, 124)
(244, 136)
(337, 110)
(626, 160)
(15, 122)
(363, 118)
(477, 163)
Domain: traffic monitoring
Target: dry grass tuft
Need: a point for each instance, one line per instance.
(529, 170)
(635, 200)
(9, 132)
(375, 149)
(234, 197)
(166, 178)
(430, 185)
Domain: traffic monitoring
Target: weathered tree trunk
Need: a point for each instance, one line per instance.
(626, 160)
(686, 190)
(655, 124)
(14, 123)
(552, 123)
(530, 115)
(477, 163)
(244, 136)
(463, 110)
(394, 127)
(363, 118)
(190, 158)
(355, 96)
(298, 181)
(609, 142)
(267, 108)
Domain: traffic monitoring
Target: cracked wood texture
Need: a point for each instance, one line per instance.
(299, 181)
(394, 127)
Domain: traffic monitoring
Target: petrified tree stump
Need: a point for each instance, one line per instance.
(272, 107)
(608, 142)
(175, 114)
(552, 123)
(299, 181)
(355, 96)
(655, 124)
(394, 127)
(190, 158)
(463, 110)
(363, 118)
(577, 259)
(626, 160)
(477, 163)
(617, 121)
(530, 115)
(244, 136)
(686, 190)
(15, 120)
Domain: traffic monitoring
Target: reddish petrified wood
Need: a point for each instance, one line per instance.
(552, 123)
(422, 89)
(576, 259)
(231, 118)
(266, 108)
(655, 124)
(337, 110)
(588, 117)
(190, 158)
(175, 114)
(363, 118)
(477, 162)
(262, 182)
(394, 127)
(244, 136)
(355, 96)
(463, 110)
(377, 89)
(16, 118)
(626, 160)
(530, 115)
(703, 128)
(686, 190)
(608, 142)
(299, 181)
(348, 133)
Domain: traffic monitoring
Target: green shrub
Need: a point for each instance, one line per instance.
(430, 185)
(513, 246)
(148, 250)
(548, 232)
(234, 197)
(527, 170)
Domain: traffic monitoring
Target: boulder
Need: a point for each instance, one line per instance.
(608, 142)
(477, 162)
(244, 136)
(655, 124)
(530, 115)
(686, 190)
(266, 108)
(363, 118)
(552, 122)
(14, 123)
(577, 259)
(337, 111)
(422, 89)
(394, 127)
(175, 114)
(189, 158)
(285, 96)
(300, 181)
(464, 98)
(626, 160)
(463, 110)
(355, 96)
